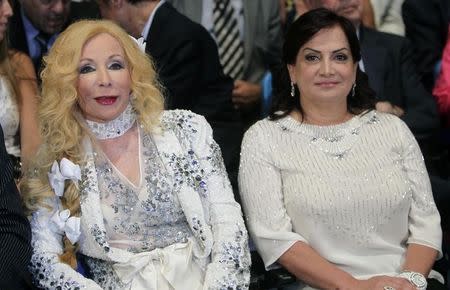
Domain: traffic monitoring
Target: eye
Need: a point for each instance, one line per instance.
(341, 57)
(86, 69)
(116, 66)
(312, 58)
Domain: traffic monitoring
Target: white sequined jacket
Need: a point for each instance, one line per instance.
(194, 163)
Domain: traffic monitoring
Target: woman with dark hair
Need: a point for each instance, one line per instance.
(334, 191)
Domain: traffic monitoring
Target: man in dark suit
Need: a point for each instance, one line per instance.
(188, 66)
(15, 233)
(261, 33)
(35, 24)
(426, 25)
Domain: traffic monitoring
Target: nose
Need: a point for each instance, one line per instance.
(326, 67)
(103, 77)
(7, 10)
(58, 6)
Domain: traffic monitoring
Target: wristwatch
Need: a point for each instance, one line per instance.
(415, 278)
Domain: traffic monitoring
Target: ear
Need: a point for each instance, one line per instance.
(292, 74)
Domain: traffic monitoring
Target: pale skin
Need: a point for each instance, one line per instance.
(325, 71)
(28, 94)
(104, 87)
(357, 11)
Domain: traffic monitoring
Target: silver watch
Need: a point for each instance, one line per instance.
(415, 278)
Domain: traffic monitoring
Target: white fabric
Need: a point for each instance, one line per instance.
(170, 268)
(219, 238)
(9, 117)
(63, 223)
(357, 192)
(388, 16)
(66, 170)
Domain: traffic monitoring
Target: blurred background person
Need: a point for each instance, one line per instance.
(148, 204)
(248, 34)
(36, 24)
(426, 25)
(333, 190)
(18, 98)
(441, 90)
(188, 67)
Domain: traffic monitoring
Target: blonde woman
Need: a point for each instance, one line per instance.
(18, 97)
(141, 194)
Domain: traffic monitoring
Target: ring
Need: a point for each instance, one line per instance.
(388, 288)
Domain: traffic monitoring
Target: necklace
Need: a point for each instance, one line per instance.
(114, 128)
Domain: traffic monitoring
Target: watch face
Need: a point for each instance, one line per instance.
(418, 280)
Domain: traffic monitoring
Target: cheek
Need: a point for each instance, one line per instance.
(82, 104)
(83, 88)
(125, 83)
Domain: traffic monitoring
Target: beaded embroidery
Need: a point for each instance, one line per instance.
(114, 128)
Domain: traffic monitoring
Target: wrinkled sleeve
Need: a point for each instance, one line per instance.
(261, 192)
(424, 219)
(230, 258)
(47, 270)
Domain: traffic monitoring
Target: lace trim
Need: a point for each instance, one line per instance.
(114, 128)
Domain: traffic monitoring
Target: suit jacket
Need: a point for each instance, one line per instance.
(16, 30)
(215, 219)
(262, 33)
(15, 232)
(188, 66)
(392, 74)
(426, 25)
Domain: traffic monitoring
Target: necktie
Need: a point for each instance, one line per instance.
(231, 50)
(42, 41)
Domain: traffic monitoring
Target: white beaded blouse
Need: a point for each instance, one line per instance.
(357, 192)
(9, 117)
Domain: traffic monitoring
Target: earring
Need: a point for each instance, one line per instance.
(292, 89)
(353, 89)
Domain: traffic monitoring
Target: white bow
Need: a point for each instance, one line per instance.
(61, 223)
(59, 173)
(171, 267)
(140, 42)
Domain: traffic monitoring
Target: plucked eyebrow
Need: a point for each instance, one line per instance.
(109, 58)
(318, 51)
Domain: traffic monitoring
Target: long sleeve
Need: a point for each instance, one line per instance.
(47, 270)
(262, 197)
(424, 219)
(15, 233)
(230, 259)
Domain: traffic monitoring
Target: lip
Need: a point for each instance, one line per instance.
(106, 100)
(327, 84)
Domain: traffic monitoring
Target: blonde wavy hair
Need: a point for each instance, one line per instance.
(61, 128)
